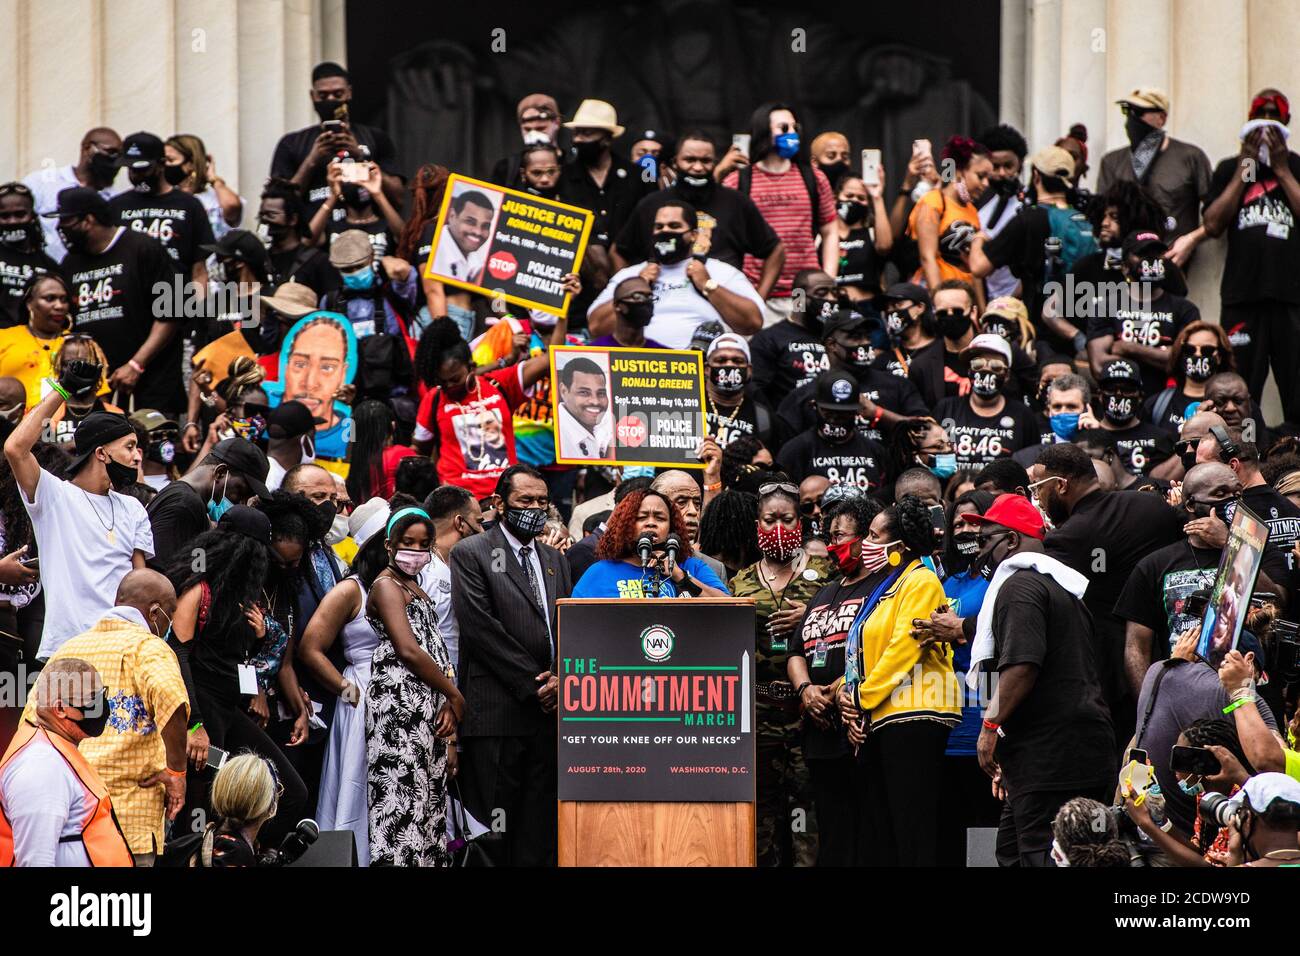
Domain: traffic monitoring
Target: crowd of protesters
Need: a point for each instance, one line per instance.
(971, 451)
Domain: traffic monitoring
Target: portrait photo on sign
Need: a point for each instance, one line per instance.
(318, 358)
(1230, 598)
(482, 438)
(584, 413)
(465, 239)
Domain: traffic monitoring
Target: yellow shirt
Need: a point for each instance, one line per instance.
(25, 357)
(145, 689)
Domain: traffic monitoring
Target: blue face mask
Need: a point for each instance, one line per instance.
(217, 508)
(1194, 790)
(1066, 426)
(362, 279)
(945, 466)
(787, 145)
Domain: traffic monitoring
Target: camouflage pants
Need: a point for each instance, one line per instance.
(787, 828)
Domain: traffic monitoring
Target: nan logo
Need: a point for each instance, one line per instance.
(656, 643)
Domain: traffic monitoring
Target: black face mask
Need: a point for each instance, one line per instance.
(27, 235)
(852, 211)
(696, 188)
(175, 174)
(729, 379)
(834, 171)
(834, 433)
(94, 726)
(525, 523)
(817, 311)
(859, 356)
(1136, 128)
(326, 109)
(1118, 409)
(544, 193)
(986, 384)
(354, 195)
(671, 247)
(589, 151)
(328, 512)
(276, 231)
(638, 313)
(103, 167)
(967, 546)
(1188, 458)
(896, 323)
(74, 240)
(120, 475)
(1199, 368)
(953, 323)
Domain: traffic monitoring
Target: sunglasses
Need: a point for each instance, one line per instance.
(1196, 351)
(1185, 446)
(987, 365)
(984, 539)
(772, 486)
(638, 297)
(15, 189)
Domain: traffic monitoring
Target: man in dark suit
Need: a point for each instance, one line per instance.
(504, 585)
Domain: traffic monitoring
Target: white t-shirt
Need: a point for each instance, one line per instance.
(435, 581)
(80, 568)
(45, 185)
(1000, 281)
(156, 482)
(450, 261)
(577, 442)
(275, 474)
(43, 800)
(680, 307)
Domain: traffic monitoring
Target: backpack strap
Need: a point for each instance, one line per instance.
(810, 183)
(1161, 407)
(745, 179)
(1166, 667)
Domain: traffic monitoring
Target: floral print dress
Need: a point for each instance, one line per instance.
(406, 762)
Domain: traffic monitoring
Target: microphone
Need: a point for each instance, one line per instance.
(294, 845)
(672, 546)
(644, 546)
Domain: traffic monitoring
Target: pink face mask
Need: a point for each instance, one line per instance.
(410, 561)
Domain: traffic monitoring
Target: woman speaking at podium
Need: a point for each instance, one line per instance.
(646, 552)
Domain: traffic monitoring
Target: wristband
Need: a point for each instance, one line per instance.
(875, 419)
(996, 728)
(716, 486)
(174, 773)
(135, 365)
(58, 388)
(1235, 704)
(798, 692)
(197, 726)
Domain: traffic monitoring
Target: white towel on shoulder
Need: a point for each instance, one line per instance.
(984, 647)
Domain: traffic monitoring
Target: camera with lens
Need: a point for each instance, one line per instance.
(1284, 650)
(1214, 808)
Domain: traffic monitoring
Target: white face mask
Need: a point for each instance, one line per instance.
(1058, 855)
(338, 530)
(308, 450)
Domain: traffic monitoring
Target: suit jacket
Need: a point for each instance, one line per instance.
(504, 642)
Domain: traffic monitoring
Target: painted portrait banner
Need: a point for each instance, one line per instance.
(318, 358)
(508, 244)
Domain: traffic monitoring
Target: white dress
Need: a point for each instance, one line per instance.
(343, 804)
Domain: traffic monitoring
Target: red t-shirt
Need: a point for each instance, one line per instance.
(393, 456)
(783, 201)
(476, 438)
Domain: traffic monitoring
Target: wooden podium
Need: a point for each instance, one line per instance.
(656, 699)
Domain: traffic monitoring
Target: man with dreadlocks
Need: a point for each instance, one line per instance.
(66, 418)
(1084, 833)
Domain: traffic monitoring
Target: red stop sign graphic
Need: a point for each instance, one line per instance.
(631, 431)
(502, 265)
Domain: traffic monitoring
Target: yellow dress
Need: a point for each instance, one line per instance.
(27, 358)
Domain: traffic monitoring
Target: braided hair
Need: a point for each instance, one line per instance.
(729, 528)
(441, 342)
(1088, 834)
(904, 442)
(427, 188)
(738, 458)
(909, 522)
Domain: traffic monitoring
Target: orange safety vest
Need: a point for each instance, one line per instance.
(104, 841)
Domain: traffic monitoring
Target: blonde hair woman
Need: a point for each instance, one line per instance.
(245, 794)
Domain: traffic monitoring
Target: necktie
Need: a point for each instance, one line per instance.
(524, 553)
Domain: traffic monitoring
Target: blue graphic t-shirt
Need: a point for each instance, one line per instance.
(618, 579)
(965, 596)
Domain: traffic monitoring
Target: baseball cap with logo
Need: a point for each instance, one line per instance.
(837, 392)
(729, 340)
(1141, 241)
(77, 201)
(140, 150)
(1119, 371)
(1008, 307)
(843, 320)
(989, 342)
(96, 430)
(1011, 511)
(1146, 98)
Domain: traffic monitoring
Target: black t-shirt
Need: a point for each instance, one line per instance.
(1105, 537)
(381, 240)
(859, 264)
(1019, 247)
(294, 147)
(612, 204)
(1282, 516)
(979, 439)
(176, 219)
(1162, 582)
(307, 266)
(822, 635)
(746, 419)
(858, 461)
(1142, 446)
(798, 411)
(16, 268)
(114, 296)
(1036, 621)
(730, 226)
(1173, 414)
(786, 356)
(1155, 326)
(178, 514)
(1020, 385)
(1263, 260)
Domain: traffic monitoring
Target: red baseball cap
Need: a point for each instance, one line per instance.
(1014, 512)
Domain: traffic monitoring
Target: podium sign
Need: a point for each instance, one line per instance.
(656, 701)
